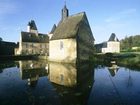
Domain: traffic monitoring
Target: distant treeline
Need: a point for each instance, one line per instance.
(129, 42)
(7, 48)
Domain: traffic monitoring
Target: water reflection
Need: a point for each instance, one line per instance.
(113, 72)
(115, 86)
(72, 82)
(68, 84)
(4, 65)
(113, 68)
(63, 74)
(32, 70)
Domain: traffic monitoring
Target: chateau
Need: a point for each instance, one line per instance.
(33, 42)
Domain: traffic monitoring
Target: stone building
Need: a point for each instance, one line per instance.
(33, 42)
(111, 46)
(72, 39)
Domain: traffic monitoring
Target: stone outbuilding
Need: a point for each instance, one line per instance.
(111, 46)
(72, 39)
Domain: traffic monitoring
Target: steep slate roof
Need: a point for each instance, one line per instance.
(101, 45)
(113, 37)
(104, 45)
(32, 25)
(53, 29)
(69, 27)
(32, 37)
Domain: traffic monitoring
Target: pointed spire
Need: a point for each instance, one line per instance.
(113, 37)
(65, 2)
(31, 27)
(65, 12)
(53, 29)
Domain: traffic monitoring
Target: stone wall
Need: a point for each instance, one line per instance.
(63, 50)
(112, 47)
(34, 48)
(85, 41)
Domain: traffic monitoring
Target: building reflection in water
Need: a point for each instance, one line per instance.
(72, 82)
(113, 68)
(63, 74)
(113, 71)
(32, 70)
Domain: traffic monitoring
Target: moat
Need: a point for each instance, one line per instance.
(42, 83)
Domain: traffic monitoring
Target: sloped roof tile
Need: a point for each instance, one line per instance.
(32, 37)
(32, 25)
(113, 37)
(68, 28)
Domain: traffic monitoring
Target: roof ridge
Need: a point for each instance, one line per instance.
(80, 13)
(69, 27)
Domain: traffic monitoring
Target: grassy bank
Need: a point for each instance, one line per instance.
(131, 61)
(122, 59)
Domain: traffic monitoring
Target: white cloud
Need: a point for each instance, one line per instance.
(121, 15)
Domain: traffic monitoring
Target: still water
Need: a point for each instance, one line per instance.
(43, 83)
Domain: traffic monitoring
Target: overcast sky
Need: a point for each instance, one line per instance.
(105, 16)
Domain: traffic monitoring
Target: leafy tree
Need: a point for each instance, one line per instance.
(0, 39)
(128, 42)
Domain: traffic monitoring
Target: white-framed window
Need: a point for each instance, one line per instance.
(61, 45)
